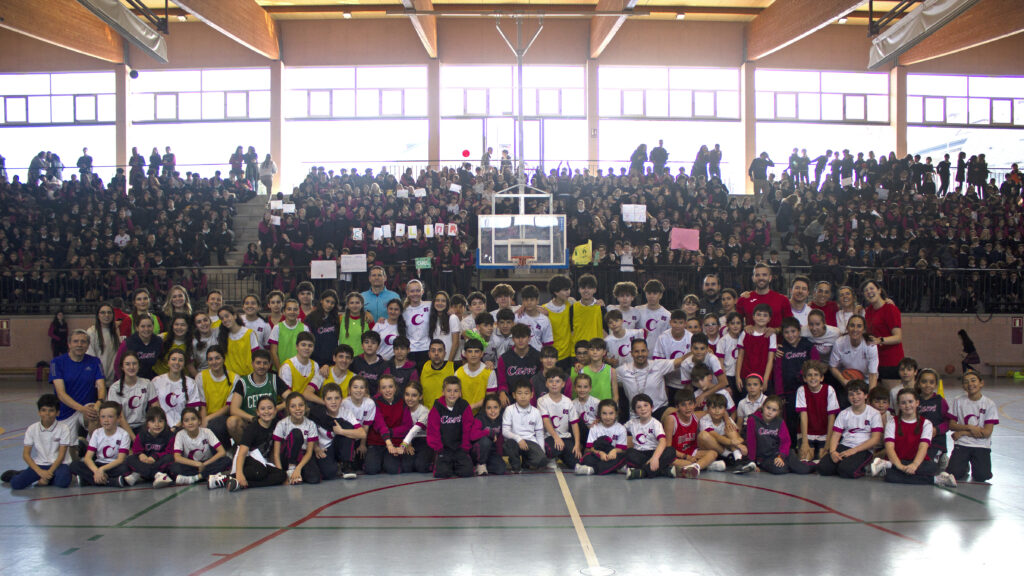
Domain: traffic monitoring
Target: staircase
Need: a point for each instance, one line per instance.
(225, 279)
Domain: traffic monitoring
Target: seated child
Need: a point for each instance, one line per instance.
(198, 455)
(606, 442)
(704, 384)
(768, 441)
(719, 434)
(817, 406)
(418, 455)
(648, 453)
(907, 437)
(523, 430)
(45, 451)
(487, 450)
(449, 432)
(751, 403)
(252, 464)
(294, 438)
(336, 436)
(934, 408)
(153, 449)
(855, 434)
(561, 422)
(683, 427)
(972, 419)
(585, 404)
(390, 424)
(104, 461)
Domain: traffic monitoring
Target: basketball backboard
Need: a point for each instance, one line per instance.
(503, 237)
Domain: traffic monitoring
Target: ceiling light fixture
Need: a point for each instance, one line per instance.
(842, 20)
(346, 15)
(680, 16)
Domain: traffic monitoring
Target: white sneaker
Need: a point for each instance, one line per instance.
(584, 470)
(481, 470)
(879, 467)
(162, 480)
(717, 466)
(183, 480)
(348, 475)
(217, 481)
(737, 455)
(552, 464)
(745, 468)
(690, 471)
(132, 478)
(945, 479)
(291, 469)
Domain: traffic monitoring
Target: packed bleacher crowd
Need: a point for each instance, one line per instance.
(74, 239)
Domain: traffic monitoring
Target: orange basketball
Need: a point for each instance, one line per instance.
(851, 374)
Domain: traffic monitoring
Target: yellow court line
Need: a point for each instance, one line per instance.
(577, 522)
(2, 430)
(1002, 411)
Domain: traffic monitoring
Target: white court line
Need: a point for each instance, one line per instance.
(593, 566)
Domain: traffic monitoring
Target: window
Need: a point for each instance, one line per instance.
(357, 92)
(965, 100)
(810, 96)
(211, 94)
(59, 98)
(660, 92)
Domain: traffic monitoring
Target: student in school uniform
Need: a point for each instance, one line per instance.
(487, 449)
(253, 459)
(855, 435)
(449, 430)
(338, 433)
(104, 461)
(46, 450)
(606, 443)
(561, 422)
(649, 454)
(391, 422)
(153, 448)
(523, 430)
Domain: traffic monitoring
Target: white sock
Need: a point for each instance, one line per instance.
(737, 454)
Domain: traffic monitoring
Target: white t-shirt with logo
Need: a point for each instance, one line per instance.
(201, 448)
(107, 447)
(562, 414)
(417, 326)
(855, 428)
(645, 435)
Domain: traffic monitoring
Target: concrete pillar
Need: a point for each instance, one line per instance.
(593, 134)
(898, 108)
(747, 118)
(277, 120)
(434, 113)
(121, 121)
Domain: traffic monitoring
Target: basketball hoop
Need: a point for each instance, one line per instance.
(522, 264)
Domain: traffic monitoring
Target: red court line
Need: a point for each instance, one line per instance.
(819, 505)
(665, 515)
(76, 495)
(299, 522)
(14, 430)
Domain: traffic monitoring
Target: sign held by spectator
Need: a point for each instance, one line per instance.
(275, 220)
(428, 231)
(685, 239)
(634, 213)
(323, 269)
(288, 208)
(357, 234)
(276, 204)
(378, 233)
(403, 193)
(453, 229)
(457, 188)
(353, 262)
(399, 230)
(386, 230)
(413, 232)
(423, 263)
(419, 192)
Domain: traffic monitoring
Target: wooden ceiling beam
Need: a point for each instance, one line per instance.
(604, 28)
(244, 21)
(424, 24)
(786, 21)
(63, 23)
(986, 21)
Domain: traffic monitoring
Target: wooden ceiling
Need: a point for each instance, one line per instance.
(694, 10)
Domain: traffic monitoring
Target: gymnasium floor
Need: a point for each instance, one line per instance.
(535, 524)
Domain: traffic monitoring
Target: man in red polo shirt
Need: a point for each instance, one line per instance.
(762, 294)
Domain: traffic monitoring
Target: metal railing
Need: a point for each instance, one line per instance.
(913, 290)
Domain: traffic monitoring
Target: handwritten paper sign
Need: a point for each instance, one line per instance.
(323, 269)
(399, 230)
(357, 234)
(455, 188)
(684, 239)
(423, 263)
(276, 204)
(634, 213)
(419, 192)
(353, 263)
(453, 229)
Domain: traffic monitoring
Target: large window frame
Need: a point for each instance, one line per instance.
(55, 99)
(820, 97)
(965, 101)
(204, 97)
(355, 92)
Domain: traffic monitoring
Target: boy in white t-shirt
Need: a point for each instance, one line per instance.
(649, 453)
(625, 294)
(973, 418)
(855, 434)
(654, 317)
(561, 422)
(619, 337)
(104, 461)
(45, 451)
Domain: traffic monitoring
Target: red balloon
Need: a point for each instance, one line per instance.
(465, 153)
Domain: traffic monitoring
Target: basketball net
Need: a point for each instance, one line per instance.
(522, 264)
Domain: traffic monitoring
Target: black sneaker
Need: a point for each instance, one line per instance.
(8, 475)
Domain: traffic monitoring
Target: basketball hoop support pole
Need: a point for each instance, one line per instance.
(520, 51)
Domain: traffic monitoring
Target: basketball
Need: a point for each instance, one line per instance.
(851, 374)
(950, 368)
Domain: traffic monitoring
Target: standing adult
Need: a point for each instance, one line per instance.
(884, 328)
(85, 166)
(375, 300)
(823, 301)
(637, 160)
(799, 291)
(78, 381)
(267, 170)
(169, 161)
(700, 164)
(763, 294)
(715, 162)
(642, 376)
(711, 301)
(758, 172)
(659, 157)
